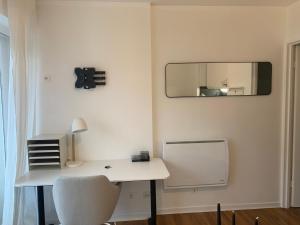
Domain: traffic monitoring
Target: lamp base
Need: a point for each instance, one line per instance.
(73, 163)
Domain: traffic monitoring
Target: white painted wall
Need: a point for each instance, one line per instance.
(252, 124)
(183, 79)
(240, 75)
(216, 75)
(114, 37)
(3, 7)
(109, 36)
(236, 74)
(293, 22)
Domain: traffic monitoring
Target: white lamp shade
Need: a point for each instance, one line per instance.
(79, 125)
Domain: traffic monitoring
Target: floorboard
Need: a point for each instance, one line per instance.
(243, 217)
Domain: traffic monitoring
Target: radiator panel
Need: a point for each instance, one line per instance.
(196, 164)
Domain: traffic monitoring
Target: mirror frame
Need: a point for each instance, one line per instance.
(269, 62)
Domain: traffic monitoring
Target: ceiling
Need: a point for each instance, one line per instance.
(210, 2)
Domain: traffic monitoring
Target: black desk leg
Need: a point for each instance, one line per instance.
(152, 220)
(41, 205)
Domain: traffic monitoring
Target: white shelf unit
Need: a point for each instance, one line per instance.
(47, 151)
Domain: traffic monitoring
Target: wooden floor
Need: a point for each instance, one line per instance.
(243, 217)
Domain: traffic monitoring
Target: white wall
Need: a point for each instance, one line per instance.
(293, 22)
(183, 79)
(252, 124)
(240, 75)
(3, 7)
(236, 74)
(111, 37)
(114, 37)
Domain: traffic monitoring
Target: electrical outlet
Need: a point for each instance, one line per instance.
(197, 189)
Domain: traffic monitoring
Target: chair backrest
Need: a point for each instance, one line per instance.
(85, 200)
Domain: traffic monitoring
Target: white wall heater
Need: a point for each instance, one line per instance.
(196, 164)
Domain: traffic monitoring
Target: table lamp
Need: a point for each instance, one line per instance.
(78, 125)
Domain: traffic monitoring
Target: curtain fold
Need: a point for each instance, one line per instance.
(4, 75)
(19, 207)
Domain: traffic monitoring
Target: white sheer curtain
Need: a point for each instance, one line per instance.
(4, 75)
(18, 208)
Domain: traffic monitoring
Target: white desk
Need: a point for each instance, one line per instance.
(120, 171)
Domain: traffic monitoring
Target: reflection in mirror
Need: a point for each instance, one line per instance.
(218, 79)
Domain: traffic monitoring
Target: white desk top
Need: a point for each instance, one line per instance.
(120, 171)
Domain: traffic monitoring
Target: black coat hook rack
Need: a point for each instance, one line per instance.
(88, 77)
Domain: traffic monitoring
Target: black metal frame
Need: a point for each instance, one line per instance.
(41, 204)
(215, 96)
(152, 219)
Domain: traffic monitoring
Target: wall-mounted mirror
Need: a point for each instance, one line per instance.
(218, 79)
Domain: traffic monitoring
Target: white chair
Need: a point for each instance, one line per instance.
(85, 200)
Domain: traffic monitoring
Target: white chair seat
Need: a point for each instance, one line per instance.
(85, 200)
